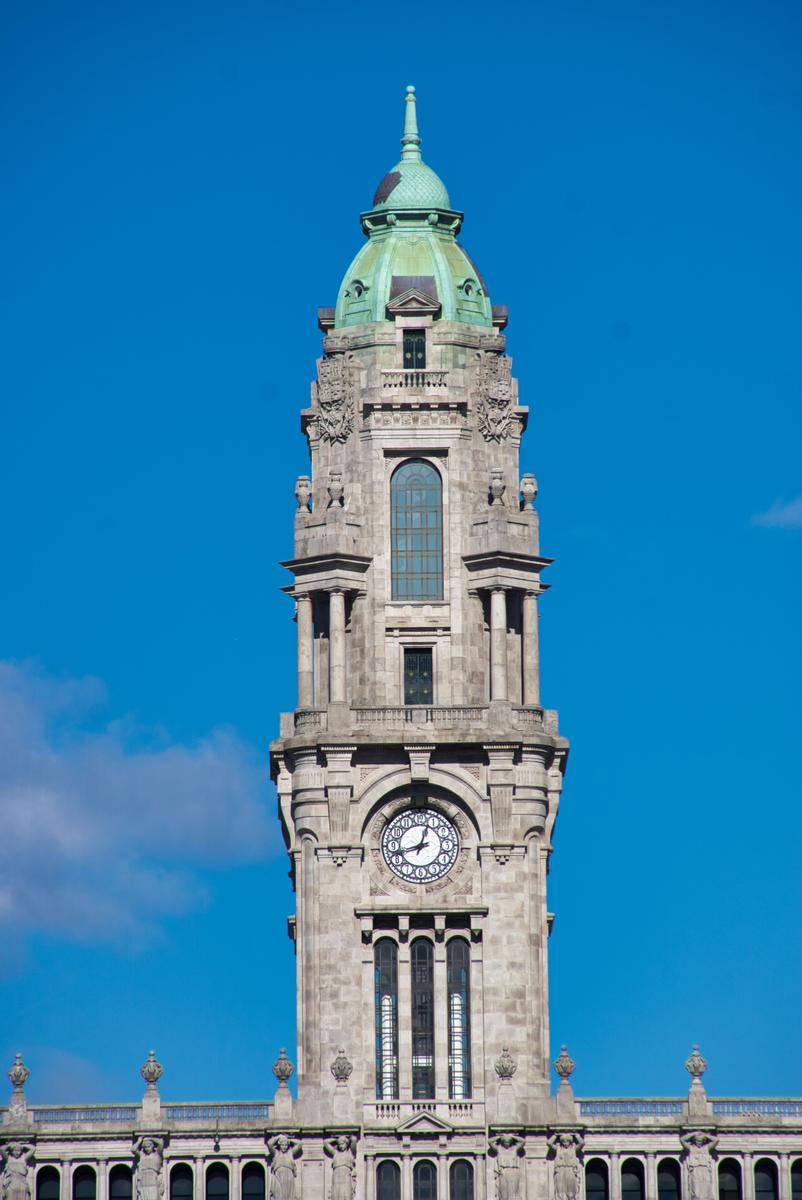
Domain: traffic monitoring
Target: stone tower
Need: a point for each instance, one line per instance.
(418, 777)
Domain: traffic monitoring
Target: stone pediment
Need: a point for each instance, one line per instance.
(425, 1123)
(413, 302)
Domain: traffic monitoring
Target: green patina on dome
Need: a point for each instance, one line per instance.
(411, 232)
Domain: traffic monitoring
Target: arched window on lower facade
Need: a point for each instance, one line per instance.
(181, 1182)
(422, 961)
(84, 1184)
(669, 1177)
(632, 1179)
(48, 1184)
(597, 1180)
(385, 965)
(729, 1180)
(460, 1181)
(765, 1179)
(424, 1181)
(458, 963)
(416, 524)
(796, 1180)
(388, 1181)
(121, 1182)
(217, 1182)
(253, 1181)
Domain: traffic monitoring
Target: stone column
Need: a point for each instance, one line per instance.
(748, 1176)
(784, 1177)
(309, 964)
(531, 652)
(306, 677)
(235, 1185)
(199, 1180)
(615, 1177)
(498, 644)
(337, 646)
(102, 1180)
(651, 1177)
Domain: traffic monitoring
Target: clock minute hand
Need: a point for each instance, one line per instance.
(421, 843)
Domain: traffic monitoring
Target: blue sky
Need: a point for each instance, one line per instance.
(183, 185)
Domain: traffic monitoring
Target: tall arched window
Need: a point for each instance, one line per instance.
(729, 1180)
(460, 1181)
(416, 531)
(217, 1182)
(181, 1182)
(458, 963)
(424, 1181)
(632, 1179)
(48, 1184)
(597, 1180)
(385, 965)
(121, 1182)
(253, 1181)
(388, 1181)
(669, 1176)
(765, 1180)
(84, 1184)
(796, 1180)
(422, 959)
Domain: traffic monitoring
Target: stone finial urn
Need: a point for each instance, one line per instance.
(18, 1104)
(564, 1065)
(283, 1070)
(303, 493)
(151, 1071)
(335, 489)
(497, 486)
(695, 1064)
(528, 491)
(18, 1073)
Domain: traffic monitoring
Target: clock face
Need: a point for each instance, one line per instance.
(420, 845)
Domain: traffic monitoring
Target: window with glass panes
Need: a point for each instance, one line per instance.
(414, 349)
(418, 676)
(416, 532)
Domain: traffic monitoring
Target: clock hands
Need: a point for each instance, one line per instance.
(423, 842)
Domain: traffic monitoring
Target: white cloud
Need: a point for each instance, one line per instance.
(782, 515)
(104, 828)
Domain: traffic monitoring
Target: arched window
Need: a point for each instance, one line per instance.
(460, 1181)
(422, 959)
(84, 1184)
(632, 1179)
(424, 1181)
(181, 1182)
(388, 1181)
(729, 1180)
(796, 1180)
(416, 531)
(458, 963)
(217, 1182)
(48, 1184)
(253, 1181)
(597, 1180)
(765, 1180)
(121, 1182)
(385, 965)
(669, 1186)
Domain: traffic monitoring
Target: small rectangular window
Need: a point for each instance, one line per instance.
(418, 677)
(414, 349)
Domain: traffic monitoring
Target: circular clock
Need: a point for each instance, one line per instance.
(420, 845)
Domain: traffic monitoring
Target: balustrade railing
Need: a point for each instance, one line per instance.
(421, 715)
(631, 1108)
(757, 1107)
(421, 380)
(90, 1112)
(394, 1110)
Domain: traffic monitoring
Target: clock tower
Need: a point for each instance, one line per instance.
(419, 776)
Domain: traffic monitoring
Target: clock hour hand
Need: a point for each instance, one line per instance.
(421, 843)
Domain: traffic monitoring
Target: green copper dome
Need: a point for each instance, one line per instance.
(412, 253)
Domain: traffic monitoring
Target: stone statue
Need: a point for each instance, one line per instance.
(341, 1150)
(566, 1164)
(149, 1156)
(699, 1146)
(15, 1158)
(283, 1169)
(507, 1149)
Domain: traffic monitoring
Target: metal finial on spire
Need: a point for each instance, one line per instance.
(411, 139)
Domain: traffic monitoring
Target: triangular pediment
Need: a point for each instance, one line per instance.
(413, 302)
(425, 1122)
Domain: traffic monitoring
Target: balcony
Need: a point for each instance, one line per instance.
(426, 718)
(414, 380)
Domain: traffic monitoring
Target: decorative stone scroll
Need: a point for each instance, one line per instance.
(507, 1149)
(15, 1157)
(342, 1152)
(566, 1147)
(283, 1169)
(699, 1146)
(149, 1157)
(335, 401)
(494, 405)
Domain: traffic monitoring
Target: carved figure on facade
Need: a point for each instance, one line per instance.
(566, 1147)
(284, 1150)
(699, 1146)
(149, 1158)
(507, 1149)
(494, 403)
(335, 402)
(15, 1158)
(342, 1152)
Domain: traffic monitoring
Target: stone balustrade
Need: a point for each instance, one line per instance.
(420, 380)
(446, 716)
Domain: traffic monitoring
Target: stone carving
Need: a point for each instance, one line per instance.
(18, 1076)
(149, 1156)
(15, 1158)
(303, 492)
(564, 1065)
(342, 1067)
(151, 1071)
(282, 1067)
(528, 491)
(695, 1065)
(335, 404)
(494, 407)
(335, 489)
(699, 1146)
(506, 1066)
(566, 1147)
(342, 1152)
(507, 1149)
(497, 486)
(283, 1169)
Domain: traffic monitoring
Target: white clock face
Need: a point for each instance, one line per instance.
(420, 845)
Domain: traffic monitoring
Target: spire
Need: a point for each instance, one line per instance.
(410, 141)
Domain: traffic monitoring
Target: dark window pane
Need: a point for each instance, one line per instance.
(424, 1181)
(217, 1182)
(422, 960)
(796, 1180)
(388, 1181)
(84, 1184)
(253, 1182)
(416, 503)
(460, 1181)
(596, 1180)
(414, 349)
(48, 1184)
(385, 963)
(418, 677)
(765, 1180)
(121, 1183)
(458, 961)
(632, 1179)
(668, 1180)
(181, 1182)
(729, 1180)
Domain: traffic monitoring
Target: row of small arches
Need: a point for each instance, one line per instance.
(669, 1180)
(121, 1182)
